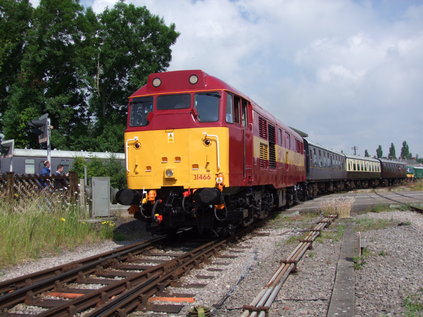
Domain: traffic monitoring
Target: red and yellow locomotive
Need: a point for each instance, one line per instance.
(200, 153)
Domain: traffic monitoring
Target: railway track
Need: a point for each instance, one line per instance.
(111, 283)
(411, 207)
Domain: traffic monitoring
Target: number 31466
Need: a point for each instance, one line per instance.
(202, 177)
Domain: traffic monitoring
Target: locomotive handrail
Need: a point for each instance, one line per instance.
(217, 147)
(126, 151)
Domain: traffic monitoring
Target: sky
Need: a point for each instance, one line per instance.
(347, 72)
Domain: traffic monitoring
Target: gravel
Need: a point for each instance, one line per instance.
(391, 273)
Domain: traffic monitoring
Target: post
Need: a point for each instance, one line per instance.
(48, 143)
(73, 186)
(10, 188)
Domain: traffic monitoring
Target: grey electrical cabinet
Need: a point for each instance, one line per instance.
(101, 197)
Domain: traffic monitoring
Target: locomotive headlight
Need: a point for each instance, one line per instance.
(193, 79)
(157, 82)
(169, 173)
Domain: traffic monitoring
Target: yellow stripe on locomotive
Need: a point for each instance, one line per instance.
(190, 158)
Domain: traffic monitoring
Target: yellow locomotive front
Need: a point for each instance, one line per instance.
(186, 158)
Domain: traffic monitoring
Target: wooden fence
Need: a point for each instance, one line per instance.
(18, 190)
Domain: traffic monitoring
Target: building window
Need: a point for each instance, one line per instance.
(29, 166)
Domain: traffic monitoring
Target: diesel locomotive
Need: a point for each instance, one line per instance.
(199, 153)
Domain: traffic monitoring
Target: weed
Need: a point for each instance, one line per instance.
(334, 235)
(382, 253)
(360, 260)
(417, 185)
(45, 227)
(368, 224)
(378, 208)
(341, 206)
(413, 304)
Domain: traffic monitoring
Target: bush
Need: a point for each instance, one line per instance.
(102, 168)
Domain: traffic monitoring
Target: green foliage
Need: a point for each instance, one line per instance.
(41, 230)
(413, 304)
(405, 151)
(392, 154)
(77, 66)
(368, 224)
(359, 261)
(379, 152)
(16, 16)
(95, 167)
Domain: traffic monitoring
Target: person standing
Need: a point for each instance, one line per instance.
(45, 171)
(59, 170)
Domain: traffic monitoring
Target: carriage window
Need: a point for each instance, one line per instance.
(207, 106)
(229, 108)
(170, 102)
(140, 109)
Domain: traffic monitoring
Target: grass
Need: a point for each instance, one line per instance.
(45, 228)
(335, 234)
(417, 185)
(368, 224)
(359, 261)
(413, 304)
(340, 206)
(300, 220)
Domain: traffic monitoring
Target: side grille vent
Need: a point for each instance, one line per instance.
(263, 127)
(272, 149)
(263, 155)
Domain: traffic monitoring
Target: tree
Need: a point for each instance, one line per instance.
(48, 81)
(392, 154)
(366, 153)
(379, 152)
(128, 45)
(80, 68)
(405, 152)
(15, 21)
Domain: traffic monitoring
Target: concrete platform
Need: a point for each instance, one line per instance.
(342, 302)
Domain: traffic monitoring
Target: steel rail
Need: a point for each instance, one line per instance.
(133, 291)
(260, 305)
(127, 302)
(413, 208)
(17, 289)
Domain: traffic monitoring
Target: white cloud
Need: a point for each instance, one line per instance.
(348, 72)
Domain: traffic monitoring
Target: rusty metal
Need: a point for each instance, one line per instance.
(264, 299)
(19, 289)
(120, 295)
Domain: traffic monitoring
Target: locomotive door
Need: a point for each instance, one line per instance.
(246, 119)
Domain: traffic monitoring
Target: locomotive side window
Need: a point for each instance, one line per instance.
(140, 109)
(207, 106)
(172, 102)
(229, 108)
(237, 101)
(244, 113)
